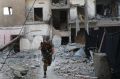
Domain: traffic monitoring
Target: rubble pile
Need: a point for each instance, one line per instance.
(75, 68)
(72, 67)
(22, 65)
(28, 65)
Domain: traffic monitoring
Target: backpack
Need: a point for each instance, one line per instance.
(46, 49)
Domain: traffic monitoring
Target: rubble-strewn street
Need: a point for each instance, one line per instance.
(73, 67)
(24, 65)
(82, 35)
(28, 65)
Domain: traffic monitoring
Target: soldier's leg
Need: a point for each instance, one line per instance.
(45, 69)
(50, 60)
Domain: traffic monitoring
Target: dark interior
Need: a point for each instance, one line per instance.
(16, 43)
(110, 9)
(59, 1)
(55, 1)
(60, 19)
(73, 34)
(65, 40)
(38, 14)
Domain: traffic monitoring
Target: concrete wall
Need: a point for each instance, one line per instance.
(91, 8)
(37, 29)
(73, 13)
(45, 4)
(26, 44)
(5, 34)
(18, 16)
(33, 36)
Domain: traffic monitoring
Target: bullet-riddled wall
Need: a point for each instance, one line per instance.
(12, 12)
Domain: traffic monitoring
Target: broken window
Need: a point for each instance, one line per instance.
(60, 19)
(65, 40)
(38, 14)
(106, 8)
(7, 11)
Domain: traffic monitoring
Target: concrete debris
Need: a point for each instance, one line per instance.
(28, 65)
(56, 41)
(80, 53)
(20, 66)
(19, 71)
(72, 68)
(73, 49)
(72, 46)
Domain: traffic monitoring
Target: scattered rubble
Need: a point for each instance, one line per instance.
(73, 67)
(20, 65)
(27, 65)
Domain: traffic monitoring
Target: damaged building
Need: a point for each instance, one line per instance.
(91, 23)
(43, 19)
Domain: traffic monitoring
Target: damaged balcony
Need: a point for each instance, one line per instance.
(60, 4)
(107, 13)
(77, 16)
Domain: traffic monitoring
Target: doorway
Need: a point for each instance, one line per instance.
(16, 43)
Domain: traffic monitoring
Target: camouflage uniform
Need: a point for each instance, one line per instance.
(46, 49)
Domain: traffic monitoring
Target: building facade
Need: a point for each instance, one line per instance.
(63, 18)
